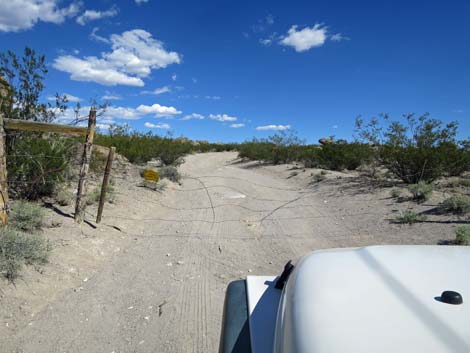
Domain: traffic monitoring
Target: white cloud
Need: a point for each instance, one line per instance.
(70, 98)
(17, 15)
(158, 110)
(222, 117)
(134, 55)
(92, 69)
(215, 98)
(157, 91)
(125, 113)
(98, 38)
(338, 37)
(273, 127)
(93, 15)
(141, 1)
(193, 116)
(111, 97)
(236, 126)
(157, 126)
(174, 77)
(306, 38)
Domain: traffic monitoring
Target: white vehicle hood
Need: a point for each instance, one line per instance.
(382, 299)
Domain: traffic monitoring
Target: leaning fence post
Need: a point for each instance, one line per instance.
(85, 164)
(104, 186)
(3, 157)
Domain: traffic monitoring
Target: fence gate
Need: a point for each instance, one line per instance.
(26, 125)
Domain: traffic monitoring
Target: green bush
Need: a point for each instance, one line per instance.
(26, 216)
(457, 204)
(171, 173)
(422, 149)
(421, 191)
(342, 155)
(410, 217)
(37, 164)
(462, 235)
(17, 249)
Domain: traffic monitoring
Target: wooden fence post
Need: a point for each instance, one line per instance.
(104, 186)
(86, 157)
(4, 93)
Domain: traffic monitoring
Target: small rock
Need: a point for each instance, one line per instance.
(169, 264)
(250, 270)
(85, 279)
(180, 262)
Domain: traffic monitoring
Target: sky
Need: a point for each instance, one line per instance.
(232, 70)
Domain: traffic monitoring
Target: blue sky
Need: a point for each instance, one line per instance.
(231, 70)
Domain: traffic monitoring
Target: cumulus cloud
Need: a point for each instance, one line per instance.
(159, 110)
(222, 117)
(18, 15)
(157, 91)
(193, 116)
(70, 98)
(236, 126)
(93, 15)
(141, 1)
(157, 126)
(273, 127)
(134, 55)
(215, 98)
(306, 38)
(174, 77)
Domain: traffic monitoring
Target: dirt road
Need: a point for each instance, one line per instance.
(165, 292)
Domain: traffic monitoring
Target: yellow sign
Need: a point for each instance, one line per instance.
(151, 175)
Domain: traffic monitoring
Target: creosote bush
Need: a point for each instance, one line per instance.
(421, 149)
(421, 191)
(26, 216)
(459, 204)
(18, 249)
(462, 235)
(410, 217)
(170, 172)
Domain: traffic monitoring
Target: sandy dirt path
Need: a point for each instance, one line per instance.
(165, 292)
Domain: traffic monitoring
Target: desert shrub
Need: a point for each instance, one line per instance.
(422, 149)
(17, 249)
(64, 197)
(457, 204)
(342, 155)
(171, 173)
(319, 177)
(37, 164)
(410, 217)
(462, 235)
(465, 183)
(95, 195)
(97, 162)
(455, 158)
(421, 191)
(26, 216)
(142, 147)
(395, 193)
